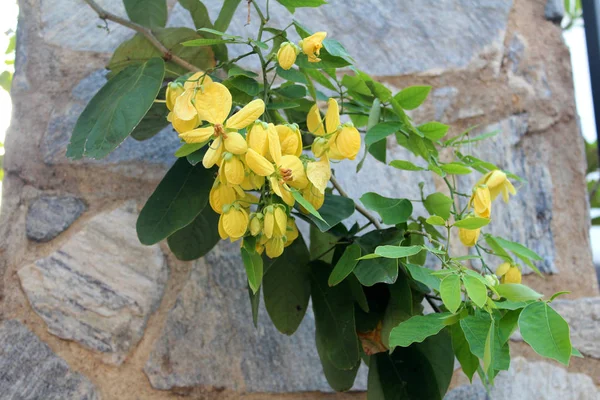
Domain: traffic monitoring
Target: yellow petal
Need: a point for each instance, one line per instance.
(283, 191)
(213, 103)
(502, 269)
(496, 178)
(333, 152)
(299, 180)
(269, 223)
(184, 109)
(274, 247)
(197, 80)
(234, 171)
(313, 196)
(235, 143)
(199, 135)
(256, 138)
(291, 231)
(221, 195)
(222, 234)
(468, 237)
(213, 154)
(174, 90)
(247, 115)
(319, 173)
(258, 164)
(235, 222)
(482, 202)
(274, 145)
(332, 117)
(286, 56)
(320, 146)
(508, 189)
(347, 142)
(256, 226)
(280, 220)
(181, 125)
(513, 275)
(314, 121)
(290, 139)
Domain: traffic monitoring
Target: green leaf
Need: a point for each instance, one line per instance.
(196, 239)
(188, 148)
(508, 324)
(412, 97)
(291, 91)
(438, 204)
(138, 50)
(433, 130)
(327, 61)
(199, 13)
(546, 332)
(498, 250)
(308, 206)
(334, 318)
(292, 75)
(149, 13)
(423, 275)
(392, 211)
(397, 251)
(476, 329)
(334, 210)
(417, 329)
(319, 78)
(178, 199)
(286, 287)
(282, 105)
(226, 14)
(345, 265)
(576, 353)
(378, 150)
(153, 122)
(468, 361)
(115, 110)
(472, 223)
(370, 272)
(237, 71)
(510, 305)
(381, 131)
(206, 42)
(322, 245)
(436, 220)
(291, 5)
(488, 350)
(455, 169)
(517, 292)
(358, 294)
(450, 292)
(476, 290)
(421, 371)
(254, 304)
(254, 268)
(340, 380)
(355, 84)
(399, 307)
(337, 49)
(244, 83)
(517, 248)
(406, 165)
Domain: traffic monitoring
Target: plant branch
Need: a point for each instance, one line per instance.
(166, 53)
(359, 208)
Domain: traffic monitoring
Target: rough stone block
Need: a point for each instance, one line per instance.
(49, 216)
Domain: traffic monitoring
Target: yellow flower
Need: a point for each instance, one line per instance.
(291, 233)
(275, 221)
(220, 196)
(286, 56)
(181, 125)
(319, 173)
(508, 273)
(197, 80)
(252, 181)
(174, 90)
(497, 182)
(256, 138)
(259, 164)
(274, 247)
(290, 139)
(345, 143)
(256, 224)
(213, 104)
(235, 222)
(232, 170)
(481, 201)
(468, 237)
(311, 46)
(313, 196)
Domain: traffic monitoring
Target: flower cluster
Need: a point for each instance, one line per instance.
(487, 189)
(311, 46)
(260, 165)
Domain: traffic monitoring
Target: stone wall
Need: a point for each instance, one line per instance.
(86, 312)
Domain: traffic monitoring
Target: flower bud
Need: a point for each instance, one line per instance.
(290, 139)
(513, 275)
(291, 231)
(256, 225)
(221, 195)
(320, 146)
(233, 169)
(235, 222)
(274, 247)
(286, 56)
(347, 142)
(492, 280)
(481, 201)
(468, 237)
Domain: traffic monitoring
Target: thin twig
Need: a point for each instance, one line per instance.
(166, 53)
(432, 304)
(359, 208)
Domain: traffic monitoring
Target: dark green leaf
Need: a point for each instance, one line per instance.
(417, 329)
(149, 13)
(412, 97)
(508, 324)
(198, 12)
(254, 303)
(438, 204)
(340, 380)
(254, 268)
(358, 293)
(392, 211)
(334, 210)
(319, 78)
(370, 272)
(178, 199)
(286, 287)
(237, 71)
(345, 265)
(378, 150)
(468, 361)
(196, 239)
(406, 165)
(423, 275)
(292, 75)
(282, 105)
(115, 110)
(327, 61)
(292, 91)
(243, 83)
(546, 332)
(226, 14)
(153, 122)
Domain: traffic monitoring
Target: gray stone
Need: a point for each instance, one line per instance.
(555, 10)
(100, 287)
(29, 370)
(583, 316)
(442, 99)
(531, 208)
(411, 36)
(531, 381)
(48, 216)
(209, 339)
(158, 150)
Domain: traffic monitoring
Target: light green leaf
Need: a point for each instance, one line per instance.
(178, 199)
(472, 223)
(406, 165)
(455, 169)
(546, 332)
(488, 350)
(508, 324)
(115, 110)
(226, 14)
(381, 131)
(149, 13)
(188, 148)
(291, 5)
(308, 206)
(576, 353)
(417, 329)
(254, 268)
(412, 97)
(436, 220)
(334, 210)
(476, 290)
(196, 239)
(345, 265)
(397, 251)
(450, 292)
(433, 130)
(206, 42)
(517, 292)
(498, 250)
(392, 211)
(438, 204)
(319, 78)
(292, 75)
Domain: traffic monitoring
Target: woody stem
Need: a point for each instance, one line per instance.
(166, 53)
(358, 207)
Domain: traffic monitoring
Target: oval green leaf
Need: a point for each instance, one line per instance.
(450, 292)
(476, 290)
(397, 251)
(196, 239)
(517, 292)
(345, 265)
